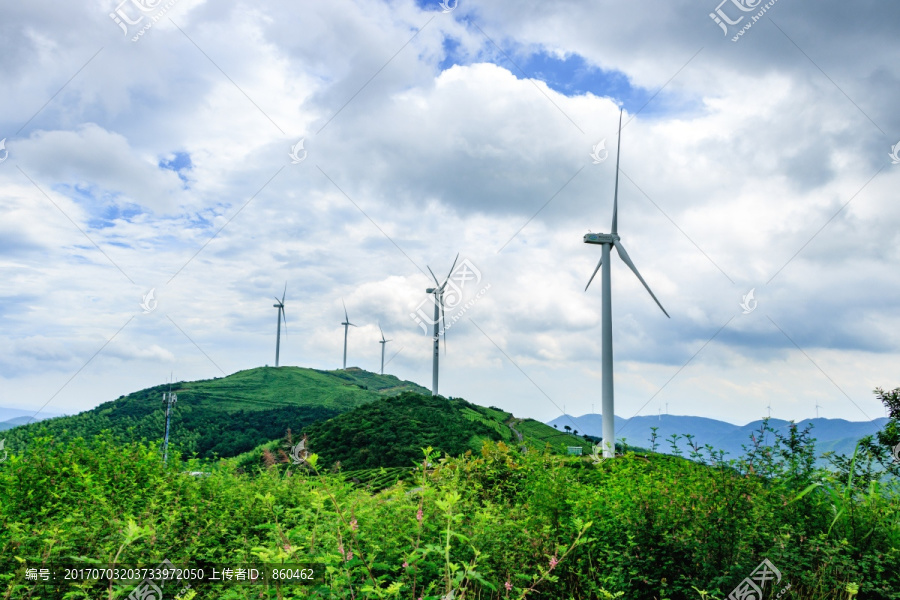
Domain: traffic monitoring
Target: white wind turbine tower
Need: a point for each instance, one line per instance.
(281, 317)
(438, 320)
(346, 325)
(607, 241)
(382, 342)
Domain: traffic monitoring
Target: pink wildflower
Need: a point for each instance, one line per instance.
(349, 556)
(287, 547)
(353, 524)
(419, 515)
(508, 586)
(553, 563)
(405, 564)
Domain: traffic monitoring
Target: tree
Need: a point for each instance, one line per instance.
(567, 428)
(890, 435)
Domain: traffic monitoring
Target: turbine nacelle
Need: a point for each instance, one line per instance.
(601, 238)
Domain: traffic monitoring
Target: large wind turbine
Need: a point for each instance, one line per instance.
(382, 342)
(607, 241)
(346, 325)
(281, 317)
(438, 321)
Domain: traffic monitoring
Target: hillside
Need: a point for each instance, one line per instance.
(227, 415)
(391, 432)
(831, 434)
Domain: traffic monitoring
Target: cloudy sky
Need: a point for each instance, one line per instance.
(155, 145)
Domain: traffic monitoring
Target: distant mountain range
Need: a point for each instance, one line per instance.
(13, 417)
(835, 435)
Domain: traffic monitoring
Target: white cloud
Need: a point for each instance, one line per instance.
(759, 151)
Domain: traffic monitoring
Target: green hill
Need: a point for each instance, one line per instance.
(227, 415)
(371, 442)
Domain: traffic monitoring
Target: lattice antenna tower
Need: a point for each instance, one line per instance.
(169, 398)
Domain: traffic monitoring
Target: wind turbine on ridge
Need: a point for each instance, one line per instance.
(606, 242)
(438, 293)
(281, 317)
(346, 325)
(382, 342)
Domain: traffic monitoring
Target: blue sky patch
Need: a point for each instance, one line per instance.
(180, 162)
(104, 208)
(570, 75)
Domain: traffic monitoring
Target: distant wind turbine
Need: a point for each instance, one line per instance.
(817, 410)
(346, 325)
(281, 317)
(382, 342)
(438, 320)
(607, 241)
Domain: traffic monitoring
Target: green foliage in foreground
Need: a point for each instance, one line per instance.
(491, 524)
(228, 415)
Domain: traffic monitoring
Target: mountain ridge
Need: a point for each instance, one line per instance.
(838, 435)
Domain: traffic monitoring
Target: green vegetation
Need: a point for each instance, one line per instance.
(228, 415)
(492, 524)
(391, 432)
(496, 517)
(537, 435)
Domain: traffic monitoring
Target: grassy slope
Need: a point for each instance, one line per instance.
(268, 387)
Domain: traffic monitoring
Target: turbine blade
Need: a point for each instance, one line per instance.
(382, 332)
(284, 293)
(615, 220)
(277, 300)
(593, 275)
(627, 260)
(432, 275)
(451, 270)
(346, 318)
